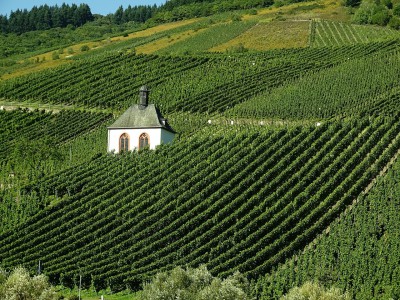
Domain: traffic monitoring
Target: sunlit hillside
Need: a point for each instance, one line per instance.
(283, 167)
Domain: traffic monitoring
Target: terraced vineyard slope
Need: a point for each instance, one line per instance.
(240, 200)
(359, 253)
(274, 149)
(207, 83)
(328, 33)
(34, 125)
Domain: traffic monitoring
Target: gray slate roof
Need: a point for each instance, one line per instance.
(139, 116)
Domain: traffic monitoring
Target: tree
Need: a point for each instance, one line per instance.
(394, 22)
(315, 291)
(195, 284)
(119, 15)
(81, 15)
(15, 21)
(3, 24)
(364, 14)
(44, 20)
(46, 17)
(19, 285)
(381, 17)
(371, 12)
(396, 9)
(352, 3)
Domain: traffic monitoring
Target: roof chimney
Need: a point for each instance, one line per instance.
(143, 96)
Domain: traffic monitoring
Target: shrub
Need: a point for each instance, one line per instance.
(394, 22)
(381, 17)
(315, 291)
(55, 55)
(396, 10)
(236, 18)
(240, 48)
(364, 14)
(85, 48)
(19, 285)
(195, 284)
(253, 12)
(371, 13)
(352, 3)
(387, 3)
(3, 276)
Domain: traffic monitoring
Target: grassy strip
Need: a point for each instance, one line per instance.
(11, 105)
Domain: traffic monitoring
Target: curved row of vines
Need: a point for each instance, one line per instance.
(207, 83)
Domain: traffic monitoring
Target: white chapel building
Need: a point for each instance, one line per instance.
(140, 126)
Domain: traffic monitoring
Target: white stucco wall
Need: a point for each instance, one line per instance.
(157, 136)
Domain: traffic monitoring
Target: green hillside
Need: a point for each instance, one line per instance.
(359, 252)
(273, 171)
(223, 201)
(207, 83)
(327, 33)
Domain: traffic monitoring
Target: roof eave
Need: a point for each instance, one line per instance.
(148, 127)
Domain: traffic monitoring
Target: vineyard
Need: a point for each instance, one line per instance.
(26, 152)
(370, 250)
(266, 36)
(333, 34)
(284, 166)
(351, 92)
(207, 83)
(60, 127)
(223, 201)
(208, 39)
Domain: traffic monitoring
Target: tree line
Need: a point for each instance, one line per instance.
(175, 10)
(138, 14)
(45, 17)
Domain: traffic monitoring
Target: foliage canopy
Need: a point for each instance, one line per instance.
(19, 285)
(195, 284)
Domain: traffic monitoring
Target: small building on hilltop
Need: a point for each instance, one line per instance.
(140, 126)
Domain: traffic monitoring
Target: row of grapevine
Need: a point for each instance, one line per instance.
(328, 33)
(32, 125)
(211, 83)
(220, 84)
(362, 86)
(109, 80)
(264, 36)
(37, 143)
(333, 54)
(360, 254)
(245, 199)
(143, 38)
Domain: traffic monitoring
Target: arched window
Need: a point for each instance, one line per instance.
(124, 142)
(143, 141)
